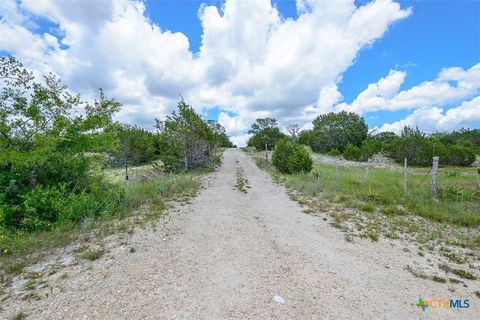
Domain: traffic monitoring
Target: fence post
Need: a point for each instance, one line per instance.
(405, 179)
(318, 175)
(366, 170)
(126, 170)
(434, 177)
(266, 152)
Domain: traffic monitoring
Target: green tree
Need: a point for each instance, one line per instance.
(265, 133)
(305, 137)
(263, 123)
(336, 130)
(266, 137)
(185, 140)
(220, 134)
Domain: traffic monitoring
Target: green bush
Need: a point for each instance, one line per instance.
(305, 137)
(46, 174)
(289, 157)
(334, 152)
(299, 160)
(135, 144)
(419, 149)
(352, 152)
(282, 152)
(458, 155)
(369, 148)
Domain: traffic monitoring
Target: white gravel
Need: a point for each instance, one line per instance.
(228, 253)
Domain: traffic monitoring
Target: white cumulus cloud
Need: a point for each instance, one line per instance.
(450, 86)
(251, 60)
(435, 119)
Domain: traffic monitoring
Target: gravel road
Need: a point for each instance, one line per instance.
(244, 250)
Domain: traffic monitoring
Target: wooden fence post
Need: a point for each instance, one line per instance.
(266, 152)
(434, 177)
(405, 179)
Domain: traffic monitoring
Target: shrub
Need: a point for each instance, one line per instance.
(334, 152)
(289, 157)
(136, 144)
(458, 155)
(420, 149)
(369, 148)
(414, 146)
(351, 152)
(282, 152)
(299, 160)
(46, 177)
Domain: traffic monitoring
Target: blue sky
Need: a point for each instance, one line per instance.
(426, 52)
(439, 33)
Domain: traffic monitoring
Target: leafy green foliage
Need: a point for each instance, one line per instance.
(45, 177)
(305, 137)
(470, 137)
(334, 152)
(265, 132)
(137, 145)
(220, 134)
(352, 152)
(290, 157)
(185, 140)
(268, 137)
(420, 149)
(263, 123)
(336, 130)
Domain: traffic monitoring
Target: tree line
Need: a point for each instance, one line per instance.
(347, 134)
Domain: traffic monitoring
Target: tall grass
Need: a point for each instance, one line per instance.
(16, 248)
(458, 201)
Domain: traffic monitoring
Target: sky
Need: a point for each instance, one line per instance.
(396, 63)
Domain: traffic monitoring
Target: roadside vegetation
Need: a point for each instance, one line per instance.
(64, 164)
(347, 134)
(370, 199)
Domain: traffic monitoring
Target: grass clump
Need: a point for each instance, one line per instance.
(92, 254)
(439, 279)
(372, 235)
(459, 272)
(454, 257)
(366, 207)
(19, 316)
